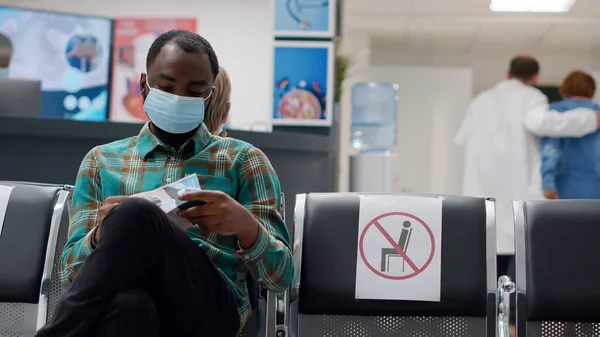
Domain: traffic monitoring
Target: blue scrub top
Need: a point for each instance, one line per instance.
(572, 165)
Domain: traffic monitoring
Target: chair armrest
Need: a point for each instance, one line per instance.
(277, 312)
(262, 293)
(282, 309)
(293, 293)
(505, 287)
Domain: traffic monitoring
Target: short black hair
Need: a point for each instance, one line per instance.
(189, 42)
(523, 68)
(5, 42)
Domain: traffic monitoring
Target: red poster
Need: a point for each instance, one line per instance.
(132, 39)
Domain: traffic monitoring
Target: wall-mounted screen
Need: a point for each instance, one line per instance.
(70, 54)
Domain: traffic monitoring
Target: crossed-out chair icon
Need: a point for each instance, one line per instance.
(388, 253)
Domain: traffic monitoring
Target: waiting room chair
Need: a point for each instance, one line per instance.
(30, 221)
(558, 267)
(26, 305)
(325, 257)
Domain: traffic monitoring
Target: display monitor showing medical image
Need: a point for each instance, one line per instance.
(307, 18)
(69, 54)
(303, 83)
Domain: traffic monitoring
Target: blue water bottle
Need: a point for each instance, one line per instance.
(374, 115)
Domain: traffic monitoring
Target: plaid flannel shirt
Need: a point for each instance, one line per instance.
(143, 163)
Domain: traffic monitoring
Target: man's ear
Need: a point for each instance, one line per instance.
(143, 87)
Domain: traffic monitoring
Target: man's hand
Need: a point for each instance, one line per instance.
(222, 215)
(551, 194)
(598, 119)
(109, 203)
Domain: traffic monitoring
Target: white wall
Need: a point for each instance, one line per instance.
(489, 67)
(432, 101)
(356, 45)
(437, 162)
(239, 30)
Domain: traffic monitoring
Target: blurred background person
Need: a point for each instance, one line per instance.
(6, 52)
(571, 166)
(218, 106)
(500, 135)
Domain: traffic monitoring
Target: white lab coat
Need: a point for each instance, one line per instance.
(500, 135)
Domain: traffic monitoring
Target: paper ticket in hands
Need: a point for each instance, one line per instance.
(167, 197)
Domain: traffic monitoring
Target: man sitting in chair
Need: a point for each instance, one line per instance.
(130, 270)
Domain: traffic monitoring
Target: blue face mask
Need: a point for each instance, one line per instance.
(3, 72)
(172, 113)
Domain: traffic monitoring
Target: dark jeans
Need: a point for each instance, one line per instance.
(145, 278)
(506, 266)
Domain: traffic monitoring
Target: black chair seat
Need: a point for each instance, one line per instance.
(24, 240)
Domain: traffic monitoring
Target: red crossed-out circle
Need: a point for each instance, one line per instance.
(375, 224)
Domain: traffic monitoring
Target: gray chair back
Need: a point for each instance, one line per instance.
(57, 289)
(325, 274)
(558, 259)
(30, 219)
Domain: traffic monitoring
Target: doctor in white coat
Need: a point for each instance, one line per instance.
(501, 135)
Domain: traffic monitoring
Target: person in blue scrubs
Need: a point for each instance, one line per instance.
(571, 166)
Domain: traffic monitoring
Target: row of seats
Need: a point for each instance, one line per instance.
(557, 260)
(557, 257)
(34, 226)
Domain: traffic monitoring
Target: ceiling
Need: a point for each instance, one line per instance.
(470, 25)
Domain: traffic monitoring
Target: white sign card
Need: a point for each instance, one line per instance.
(399, 248)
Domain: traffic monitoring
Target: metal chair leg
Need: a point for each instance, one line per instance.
(505, 287)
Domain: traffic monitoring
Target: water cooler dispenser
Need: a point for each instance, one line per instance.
(373, 134)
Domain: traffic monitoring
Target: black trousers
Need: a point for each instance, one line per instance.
(146, 278)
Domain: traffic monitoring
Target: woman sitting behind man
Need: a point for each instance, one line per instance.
(571, 166)
(217, 107)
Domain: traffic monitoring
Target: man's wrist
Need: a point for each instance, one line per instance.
(247, 237)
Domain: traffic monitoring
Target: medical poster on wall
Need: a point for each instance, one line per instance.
(303, 83)
(132, 40)
(306, 18)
